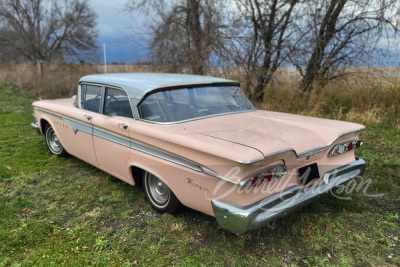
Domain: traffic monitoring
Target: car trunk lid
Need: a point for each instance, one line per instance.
(270, 132)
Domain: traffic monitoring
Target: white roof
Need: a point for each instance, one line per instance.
(138, 84)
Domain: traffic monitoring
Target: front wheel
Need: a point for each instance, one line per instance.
(159, 195)
(53, 143)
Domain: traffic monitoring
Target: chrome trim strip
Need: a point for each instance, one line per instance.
(111, 137)
(197, 118)
(210, 172)
(78, 126)
(36, 127)
(242, 219)
(164, 155)
(75, 125)
(48, 112)
(301, 154)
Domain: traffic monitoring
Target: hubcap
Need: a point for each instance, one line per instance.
(159, 191)
(53, 141)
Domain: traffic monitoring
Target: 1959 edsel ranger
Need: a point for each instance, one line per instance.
(198, 141)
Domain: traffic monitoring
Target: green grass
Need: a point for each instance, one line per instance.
(64, 211)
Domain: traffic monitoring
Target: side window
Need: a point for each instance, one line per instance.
(117, 103)
(91, 97)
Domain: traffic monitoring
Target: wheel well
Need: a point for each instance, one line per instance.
(43, 124)
(137, 174)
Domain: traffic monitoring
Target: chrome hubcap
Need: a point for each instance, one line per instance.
(53, 141)
(159, 191)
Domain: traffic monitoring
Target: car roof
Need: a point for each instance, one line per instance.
(139, 84)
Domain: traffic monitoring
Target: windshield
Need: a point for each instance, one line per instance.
(176, 105)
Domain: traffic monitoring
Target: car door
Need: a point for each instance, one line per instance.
(78, 139)
(111, 133)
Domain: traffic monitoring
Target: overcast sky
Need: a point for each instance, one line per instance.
(116, 29)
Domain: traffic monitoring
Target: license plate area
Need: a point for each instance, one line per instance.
(308, 173)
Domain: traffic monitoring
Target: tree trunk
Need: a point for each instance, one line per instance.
(196, 60)
(326, 32)
(263, 80)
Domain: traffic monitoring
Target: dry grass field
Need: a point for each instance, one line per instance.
(367, 95)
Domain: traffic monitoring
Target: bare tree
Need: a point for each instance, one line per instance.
(252, 34)
(41, 30)
(265, 41)
(183, 33)
(341, 33)
(320, 38)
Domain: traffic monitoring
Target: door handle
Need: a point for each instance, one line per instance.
(88, 117)
(123, 125)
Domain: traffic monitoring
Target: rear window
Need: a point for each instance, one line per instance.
(175, 105)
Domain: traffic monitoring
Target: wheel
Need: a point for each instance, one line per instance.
(53, 143)
(159, 195)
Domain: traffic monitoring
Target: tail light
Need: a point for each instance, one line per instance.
(344, 147)
(264, 176)
(358, 143)
(349, 146)
(255, 181)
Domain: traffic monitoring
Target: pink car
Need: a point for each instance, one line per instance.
(198, 142)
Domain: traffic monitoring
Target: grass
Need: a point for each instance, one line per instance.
(62, 211)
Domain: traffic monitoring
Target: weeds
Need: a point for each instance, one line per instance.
(315, 261)
(57, 80)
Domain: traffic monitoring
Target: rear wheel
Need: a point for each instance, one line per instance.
(160, 195)
(53, 143)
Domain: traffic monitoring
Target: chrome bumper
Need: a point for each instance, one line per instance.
(36, 127)
(239, 220)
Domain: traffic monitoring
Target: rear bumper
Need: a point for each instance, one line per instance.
(239, 220)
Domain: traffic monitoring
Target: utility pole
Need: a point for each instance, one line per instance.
(105, 58)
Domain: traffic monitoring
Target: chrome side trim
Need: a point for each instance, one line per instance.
(301, 154)
(50, 113)
(164, 155)
(197, 118)
(111, 137)
(241, 219)
(210, 172)
(75, 125)
(78, 126)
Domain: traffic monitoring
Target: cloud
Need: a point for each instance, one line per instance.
(116, 29)
(112, 19)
